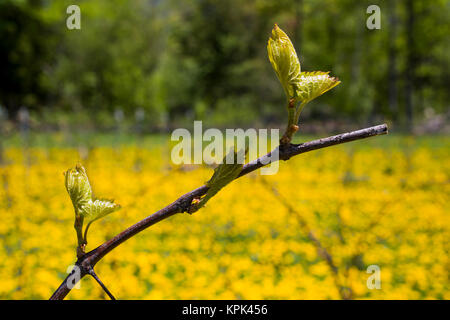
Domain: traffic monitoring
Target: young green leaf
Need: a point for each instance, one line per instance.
(223, 175)
(78, 187)
(86, 208)
(300, 87)
(284, 60)
(97, 209)
(313, 84)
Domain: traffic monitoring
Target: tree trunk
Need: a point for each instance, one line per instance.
(410, 64)
(392, 63)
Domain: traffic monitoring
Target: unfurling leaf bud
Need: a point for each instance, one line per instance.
(97, 209)
(87, 209)
(223, 175)
(284, 60)
(300, 87)
(314, 84)
(78, 187)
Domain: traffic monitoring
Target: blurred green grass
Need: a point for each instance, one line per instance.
(108, 139)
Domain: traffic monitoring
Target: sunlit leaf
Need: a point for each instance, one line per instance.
(97, 209)
(78, 187)
(284, 60)
(313, 84)
(223, 175)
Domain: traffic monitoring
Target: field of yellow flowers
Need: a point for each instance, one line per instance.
(308, 232)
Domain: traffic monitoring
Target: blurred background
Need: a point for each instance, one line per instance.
(166, 63)
(108, 95)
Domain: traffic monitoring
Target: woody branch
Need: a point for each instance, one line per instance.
(87, 262)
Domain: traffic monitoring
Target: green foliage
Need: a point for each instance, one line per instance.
(226, 172)
(97, 209)
(310, 85)
(284, 61)
(299, 86)
(78, 188)
(25, 48)
(182, 60)
(87, 209)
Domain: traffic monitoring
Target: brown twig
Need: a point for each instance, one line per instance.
(94, 275)
(183, 203)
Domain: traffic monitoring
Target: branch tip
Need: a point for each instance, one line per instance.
(94, 275)
(183, 203)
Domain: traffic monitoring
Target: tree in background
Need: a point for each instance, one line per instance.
(25, 46)
(183, 60)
